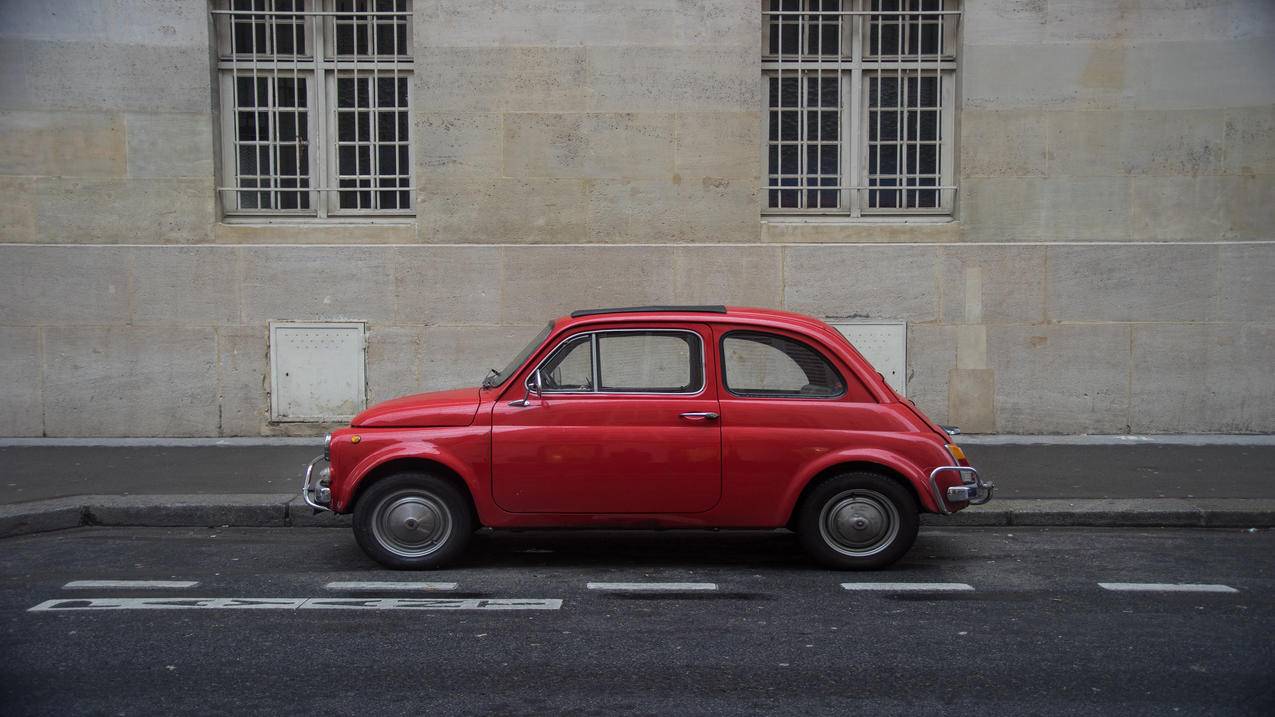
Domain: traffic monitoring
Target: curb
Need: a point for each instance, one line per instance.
(254, 510)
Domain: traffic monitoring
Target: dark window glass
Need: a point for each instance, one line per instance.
(766, 365)
(650, 362)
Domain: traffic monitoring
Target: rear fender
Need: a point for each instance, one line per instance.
(894, 462)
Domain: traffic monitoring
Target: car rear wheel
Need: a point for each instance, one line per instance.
(413, 521)
(858, 521)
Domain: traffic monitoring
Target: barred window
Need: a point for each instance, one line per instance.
(315, 107)
(860, 97)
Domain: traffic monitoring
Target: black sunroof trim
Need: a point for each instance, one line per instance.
(707, 309)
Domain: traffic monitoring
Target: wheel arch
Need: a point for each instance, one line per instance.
(412, 464)
(851, 466)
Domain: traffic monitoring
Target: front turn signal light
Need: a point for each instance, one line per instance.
(956, 451)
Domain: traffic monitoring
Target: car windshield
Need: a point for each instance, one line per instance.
(498, 377)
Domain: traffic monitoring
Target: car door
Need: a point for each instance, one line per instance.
(627, 423)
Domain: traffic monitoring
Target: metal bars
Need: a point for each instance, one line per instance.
(315, 106)
(859, 106)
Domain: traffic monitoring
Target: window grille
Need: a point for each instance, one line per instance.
(860, 97)
(315, 107)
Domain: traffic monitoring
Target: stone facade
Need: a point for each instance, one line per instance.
(1108, 268)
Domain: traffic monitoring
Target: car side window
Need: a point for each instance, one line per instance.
(570, 368)
(756, 364)
(650, 361)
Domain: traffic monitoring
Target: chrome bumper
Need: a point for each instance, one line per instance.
(973, 490)
(314, 489)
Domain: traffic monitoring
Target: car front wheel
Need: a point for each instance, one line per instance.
(858, 521)
(413, 521)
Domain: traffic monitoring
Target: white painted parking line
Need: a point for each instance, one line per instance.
(388, 585)
(653, 587)
(129, 584)
(91, 604)
(1168, 587)
(895, 587)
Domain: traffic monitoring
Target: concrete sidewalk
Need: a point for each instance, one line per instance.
(1209, 481)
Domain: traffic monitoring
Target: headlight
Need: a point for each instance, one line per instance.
(327, 447)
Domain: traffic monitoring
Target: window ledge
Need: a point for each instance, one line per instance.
(789, 219)
(316, 221)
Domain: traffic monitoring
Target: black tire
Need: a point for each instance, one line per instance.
(413, 521)
(858, 521)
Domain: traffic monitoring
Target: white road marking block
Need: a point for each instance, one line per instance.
(1168, 587)
(894, 587)
(148, 584)
(669, 587)
(385, 585)
(90, 604)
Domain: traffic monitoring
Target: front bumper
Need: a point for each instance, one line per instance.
(314, 488)
(973, 490)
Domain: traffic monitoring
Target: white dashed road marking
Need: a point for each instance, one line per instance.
(384, 585)
(89, 604)
(894, 587)
(667, 587)
(128, 584)
(1168, 587)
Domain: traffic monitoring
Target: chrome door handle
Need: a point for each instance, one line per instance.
(700, 416)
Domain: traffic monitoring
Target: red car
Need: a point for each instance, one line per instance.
(652, 416)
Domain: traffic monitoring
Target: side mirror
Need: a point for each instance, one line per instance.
(534, 385)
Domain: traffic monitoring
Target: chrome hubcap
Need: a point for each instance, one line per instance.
(412, 525)
(859, 523)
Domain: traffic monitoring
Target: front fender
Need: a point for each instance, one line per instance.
(895, 462)
(420, 449)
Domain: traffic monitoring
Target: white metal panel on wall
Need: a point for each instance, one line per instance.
(317, 370)
(885, 345)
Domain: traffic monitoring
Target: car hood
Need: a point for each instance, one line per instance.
(436, 408)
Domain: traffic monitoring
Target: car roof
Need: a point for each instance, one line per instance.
(708, 312)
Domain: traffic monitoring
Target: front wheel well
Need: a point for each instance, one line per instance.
(852, 467)
(422, 466)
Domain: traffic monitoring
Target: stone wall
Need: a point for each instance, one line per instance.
(1108, 270)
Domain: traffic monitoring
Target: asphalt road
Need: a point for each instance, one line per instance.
(1019, 471)
(1035, 634)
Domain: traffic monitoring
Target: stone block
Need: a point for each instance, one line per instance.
(458, 356)
(457, 144)
(863, 282)
(78, 144)
(21, 391)
(1192, 74)
(38, 74)
(1246, 284)
(142, 22)
(1085, 144)
(1053, 76)
(40, 516)
(972, 399)
(1238, 375)
(783, 230)
(243, 378)
(1236, 512)
(1179, 208)
(244, 510)
(719, 144)
(394, 356)
(317, 283)
(46, 285)
(123, 211)
(1105, 512)
(130, 381)
(931, 355)
(1004, 22)
(1061, 378)
(1250, 209)
(1137, 23)
(703, 210)
(447, 285)
(543, 282)
(312, 233)
(1001, 209)
(503, 211)
(1250, 140)
(1086, 208)
(185, 285)
(170, 145)
(17, 212)
(733, 275)
(491, 79)
(570, 23)
(675, 79)
(1172, 142)
(993, 284)
(1006, 143)
(1131, 282)
(588, 145)
(1169, 391)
